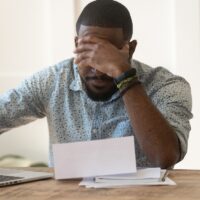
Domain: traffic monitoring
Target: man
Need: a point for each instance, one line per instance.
(103, 93)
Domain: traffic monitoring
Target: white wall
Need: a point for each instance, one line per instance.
(33, 35)
(187, 43)
(37, 33)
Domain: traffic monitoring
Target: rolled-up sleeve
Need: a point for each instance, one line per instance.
(172, 96)
(23, 104)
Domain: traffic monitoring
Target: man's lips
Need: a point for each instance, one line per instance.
(103, 78)
(99, 82)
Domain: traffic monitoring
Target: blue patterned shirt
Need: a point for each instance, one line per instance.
(57, 93)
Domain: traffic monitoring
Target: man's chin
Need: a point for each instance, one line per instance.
(98, 97)
(96, 94)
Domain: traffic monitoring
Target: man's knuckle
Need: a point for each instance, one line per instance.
(99, 46)
(89, 37)
(91, 59)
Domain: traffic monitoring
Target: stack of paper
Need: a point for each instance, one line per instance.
(146, 176)
(109, 163)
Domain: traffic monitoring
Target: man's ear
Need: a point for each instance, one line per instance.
(132, 47)
(76, 41)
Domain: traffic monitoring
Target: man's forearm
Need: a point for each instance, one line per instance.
(155, 136)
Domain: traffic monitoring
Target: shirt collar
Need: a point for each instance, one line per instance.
(76, 84)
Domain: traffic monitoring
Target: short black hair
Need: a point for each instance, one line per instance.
(106, 13)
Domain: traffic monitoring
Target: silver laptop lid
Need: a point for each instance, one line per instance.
(13, 176)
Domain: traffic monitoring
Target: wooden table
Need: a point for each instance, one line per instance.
(187, 188)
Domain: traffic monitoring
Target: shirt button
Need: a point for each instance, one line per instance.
(94, 130)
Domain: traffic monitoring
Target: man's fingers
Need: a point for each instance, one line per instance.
(82, 48)
(125, 48)
(85, 62)
(82, 56)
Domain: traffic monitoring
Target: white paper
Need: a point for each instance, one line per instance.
(94, 158)
(146, 176)
(90, 183)
(141, 174)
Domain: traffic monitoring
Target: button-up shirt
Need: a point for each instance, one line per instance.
(58, 94)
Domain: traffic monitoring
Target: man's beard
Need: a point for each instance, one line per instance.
(100, 95)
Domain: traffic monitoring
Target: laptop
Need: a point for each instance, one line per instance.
(13, 176)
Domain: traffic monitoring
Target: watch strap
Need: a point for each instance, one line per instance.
(129, 73)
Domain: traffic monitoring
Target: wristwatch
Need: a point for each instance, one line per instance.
(130, 73)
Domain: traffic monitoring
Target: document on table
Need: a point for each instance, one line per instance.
(94, 158)
(146, 176)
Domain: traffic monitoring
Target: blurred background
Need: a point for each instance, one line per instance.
(38, 33)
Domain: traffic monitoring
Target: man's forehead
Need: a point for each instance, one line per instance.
(114, 35)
